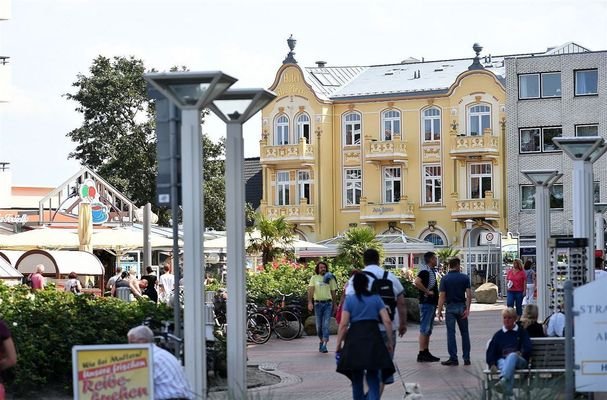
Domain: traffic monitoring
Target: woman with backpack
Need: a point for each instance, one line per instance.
(361, 348)
(73, 284)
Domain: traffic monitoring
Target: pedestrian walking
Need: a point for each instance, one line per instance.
(427, 285)
(322, 300)
(516, 283)
(454, 291)
(38, 281)
(73, 284)
(530, 275)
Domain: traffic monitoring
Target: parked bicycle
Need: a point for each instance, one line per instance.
(258, 328)
(285, 318)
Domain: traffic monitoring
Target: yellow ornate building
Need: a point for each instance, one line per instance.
(413, 148)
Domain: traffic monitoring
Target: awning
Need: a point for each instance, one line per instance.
(58, 263)
(11, 256)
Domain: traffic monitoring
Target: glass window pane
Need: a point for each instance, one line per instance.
(556, 196)
(529, 86)
(436, 128)
(551, 85)
(530, 140)
(550, 133)
(474, 128)
(486, 123)
(527, 198)
(596, 189)
(587, 130)
(586, 82)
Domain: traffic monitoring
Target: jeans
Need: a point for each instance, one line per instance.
(323, 317)
(426, 320)
(358, 390)
(453, 314)
(515, 299)
(507, 366)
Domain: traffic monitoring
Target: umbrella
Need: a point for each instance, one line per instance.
(43, 238)
(85, 227)
(124, 239)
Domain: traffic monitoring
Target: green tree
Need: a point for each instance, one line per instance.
(117, 138)
(444, 255)
(354, 243)
(275, 238)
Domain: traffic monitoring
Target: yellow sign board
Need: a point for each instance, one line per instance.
(122, 371)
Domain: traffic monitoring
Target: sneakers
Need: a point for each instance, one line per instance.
(323, 348)
(450, 363)
(320, 347)
(467, 362)
(425, 356)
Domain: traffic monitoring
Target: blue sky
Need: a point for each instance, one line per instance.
(50, 42)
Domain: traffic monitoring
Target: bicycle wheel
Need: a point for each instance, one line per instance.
(287, 325)
(258, 328)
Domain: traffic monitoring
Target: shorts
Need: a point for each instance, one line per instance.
(426, 320)
(386, 380)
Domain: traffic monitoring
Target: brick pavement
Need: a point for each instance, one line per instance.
(311, 375)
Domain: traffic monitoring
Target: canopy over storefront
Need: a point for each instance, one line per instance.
(11, 256)
(43, 238)
(60, 263)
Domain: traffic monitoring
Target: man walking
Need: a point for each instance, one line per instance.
(454, 291)
(166, 283)
(428, 299)
(321, 300)
(374, 272)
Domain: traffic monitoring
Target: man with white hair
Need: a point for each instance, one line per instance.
(37, 278)
(170, 382)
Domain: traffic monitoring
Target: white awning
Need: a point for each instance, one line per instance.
(11, 256)
(58, 263)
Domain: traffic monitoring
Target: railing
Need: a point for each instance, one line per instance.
(477, 208)
(292, 213)
(485, 145)
(403, 210)
(393, 150)
(301, 152)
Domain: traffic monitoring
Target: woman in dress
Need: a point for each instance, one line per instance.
(516, 283)
(362, 349)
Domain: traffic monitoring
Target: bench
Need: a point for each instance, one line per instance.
(546, 363)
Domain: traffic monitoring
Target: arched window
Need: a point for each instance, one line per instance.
(434, 238)
(479, 119)
(281, 130)
(390, 124)
(303, 128)
(352, 129)
(431, 124)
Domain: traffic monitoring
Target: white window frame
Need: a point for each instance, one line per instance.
(303, 180)
(428, 115)
(281, 130)
(390, 124)
(435, 181)
(352, 186)
(393, 184)
(576, 93)
(351, 135)
(473, 113)
(282, 188)
(303, 120)
(479, 172)
(539, 89)
(543, 74)
(586, 126)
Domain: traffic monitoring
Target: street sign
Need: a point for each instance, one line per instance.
(590, 321)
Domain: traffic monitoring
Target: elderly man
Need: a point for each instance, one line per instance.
(508, 350)
(37, 278)
(170, 382)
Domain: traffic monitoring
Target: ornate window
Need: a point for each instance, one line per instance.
(479, 119)
(353, 185)
(433, 184)
(431, 124)
(282, 188)
(392, 184)
(434, 238)
(281, 130)
(390, 124)
(303, 128)
(304, 186)
(480, 180)
(352, 129)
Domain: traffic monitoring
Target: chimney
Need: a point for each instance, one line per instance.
(321, 64)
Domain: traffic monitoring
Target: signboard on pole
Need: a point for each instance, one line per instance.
(118, 371)
(590, 321)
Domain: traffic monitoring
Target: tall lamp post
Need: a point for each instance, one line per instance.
(235, 107)
(469, 223)
(542, 179)
(584, 151)
(191, 92)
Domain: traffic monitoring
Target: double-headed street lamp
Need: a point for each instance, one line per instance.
(542, 179)
(235, 107)
(584, 151)
(191, 92)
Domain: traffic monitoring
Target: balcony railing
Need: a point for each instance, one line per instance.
(486, 146)
(296, 213)
(488, 208)
(300, 153)
(402, 211)
(386, 150)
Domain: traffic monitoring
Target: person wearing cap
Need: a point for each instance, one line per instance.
(321, 300)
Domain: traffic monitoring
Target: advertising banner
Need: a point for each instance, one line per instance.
(122, 371)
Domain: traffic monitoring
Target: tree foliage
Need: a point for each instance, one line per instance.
(354, 243)
(275, 238)
(445, 254)
(117, 138)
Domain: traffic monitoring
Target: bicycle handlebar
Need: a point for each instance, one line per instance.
(284, 294)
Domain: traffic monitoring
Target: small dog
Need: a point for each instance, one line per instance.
(412, 392)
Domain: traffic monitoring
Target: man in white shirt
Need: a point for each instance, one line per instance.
(112, 281)
(166, 284)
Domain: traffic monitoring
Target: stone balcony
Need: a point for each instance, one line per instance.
(487, 208)
(394, 150)
(485, 146)
(403, 211)
(287, 154)
(294, 213)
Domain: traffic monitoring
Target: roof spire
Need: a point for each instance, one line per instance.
(290, 57)
(476, 63)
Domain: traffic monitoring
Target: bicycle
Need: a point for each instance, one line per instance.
(285, 322)
(259, 328)
(166, 339)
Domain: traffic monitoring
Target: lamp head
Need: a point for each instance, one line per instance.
(543, 177)
(239, 105)
(585, 148)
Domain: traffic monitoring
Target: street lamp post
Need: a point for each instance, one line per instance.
(469, 223)
(542, 179)
(235, 107)
(584, 151)
(191, 92)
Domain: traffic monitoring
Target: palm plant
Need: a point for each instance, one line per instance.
(354, 243)
(275, 238)
(444, 255)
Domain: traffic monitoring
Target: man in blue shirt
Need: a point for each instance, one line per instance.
(454, 291)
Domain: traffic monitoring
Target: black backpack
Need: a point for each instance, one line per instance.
(384, 287)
